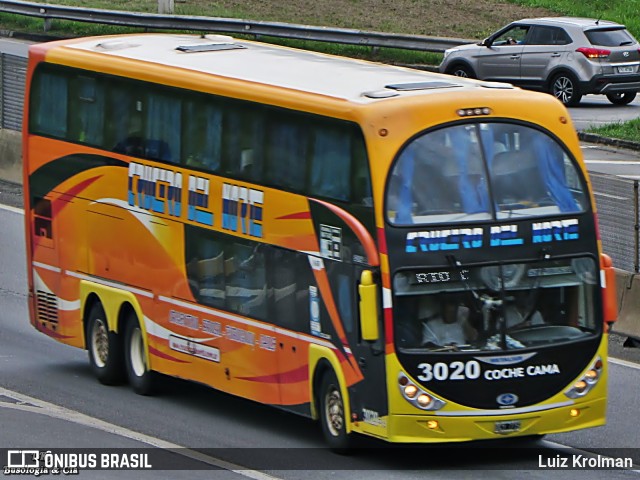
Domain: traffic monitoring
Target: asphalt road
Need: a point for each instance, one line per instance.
(596, 110)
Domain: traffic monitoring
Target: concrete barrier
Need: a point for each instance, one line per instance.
(628, 289)
(10, 156)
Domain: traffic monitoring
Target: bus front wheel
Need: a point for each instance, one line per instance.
(332, 414)
(105, 348)
(141, 378)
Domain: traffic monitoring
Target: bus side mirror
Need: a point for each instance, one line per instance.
(609, 292)
(368, 291)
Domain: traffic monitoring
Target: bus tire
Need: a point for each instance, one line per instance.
(141, 379)
(104, 347)
(332, 414)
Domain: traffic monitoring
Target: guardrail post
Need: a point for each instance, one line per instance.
(165, 6)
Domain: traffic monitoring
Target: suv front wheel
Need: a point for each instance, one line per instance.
(621, 98)
(461, 70)
(564, 87)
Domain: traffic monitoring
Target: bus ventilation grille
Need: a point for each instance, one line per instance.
(47, 304)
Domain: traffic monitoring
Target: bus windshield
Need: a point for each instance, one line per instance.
(496, 307)
(482, 171)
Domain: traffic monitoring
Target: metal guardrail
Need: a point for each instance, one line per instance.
(231, 25)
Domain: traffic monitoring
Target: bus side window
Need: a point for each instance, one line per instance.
(244, 141)
(162, 138)
(124, 127)
(50, 95)
(331, 163)
(286, 154)
(344, 291)
(283, 286)
(361, 190)
(209, 274)
(86, 124)
(201, 134)
(245, 272)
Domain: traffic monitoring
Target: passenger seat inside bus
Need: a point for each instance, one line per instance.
(157, 150)
(516, 178)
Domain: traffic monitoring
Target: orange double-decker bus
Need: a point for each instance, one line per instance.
(397, 253)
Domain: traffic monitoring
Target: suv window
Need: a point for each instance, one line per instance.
(610, 37)
(548, 36)
(514, 36)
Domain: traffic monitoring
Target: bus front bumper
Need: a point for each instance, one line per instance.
(463, 427)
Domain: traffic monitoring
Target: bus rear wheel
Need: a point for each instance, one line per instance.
(332, 414)
(105, 348)
(141, 378)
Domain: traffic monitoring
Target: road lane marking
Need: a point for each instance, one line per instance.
(624, 363)
(608, 195)
(11, 209)
(29, 404)
(613, 162)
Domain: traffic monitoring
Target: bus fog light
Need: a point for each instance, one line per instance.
(433, 424)
(410, 391)
(574, 412)
(423, 400)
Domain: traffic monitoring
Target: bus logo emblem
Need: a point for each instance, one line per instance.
(507, 399)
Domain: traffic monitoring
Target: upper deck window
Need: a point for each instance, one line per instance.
(479, 172)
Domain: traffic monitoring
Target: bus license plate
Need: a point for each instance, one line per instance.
(506, 427)
(630, 69)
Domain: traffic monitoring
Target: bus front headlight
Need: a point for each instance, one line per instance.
(588, 380)
(416, 396)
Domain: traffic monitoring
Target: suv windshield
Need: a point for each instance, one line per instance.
(610, 37)
(482, 171)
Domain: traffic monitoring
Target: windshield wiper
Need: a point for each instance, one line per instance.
(457, 266)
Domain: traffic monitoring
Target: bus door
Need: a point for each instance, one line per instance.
(366, 358)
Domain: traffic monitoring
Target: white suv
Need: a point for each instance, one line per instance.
(567, 57)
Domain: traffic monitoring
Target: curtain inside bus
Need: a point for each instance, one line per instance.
(476, 172)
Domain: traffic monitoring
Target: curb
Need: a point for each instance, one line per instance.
(612, 142)
(29, 36)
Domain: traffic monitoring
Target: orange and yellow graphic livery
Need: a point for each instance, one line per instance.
(334, 237)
